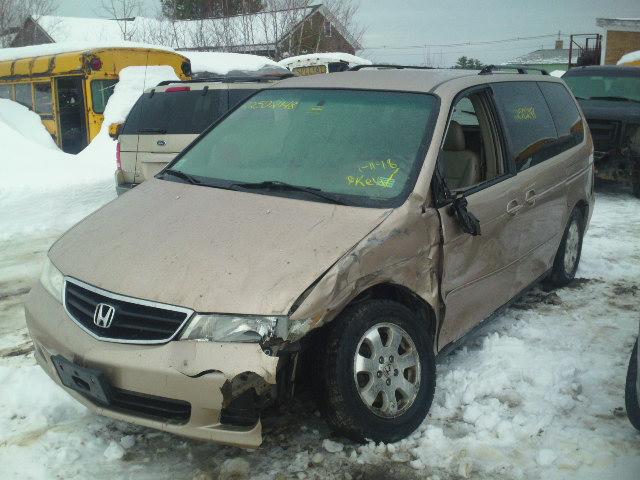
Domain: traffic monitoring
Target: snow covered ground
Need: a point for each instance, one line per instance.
(538, 394)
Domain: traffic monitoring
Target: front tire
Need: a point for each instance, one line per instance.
(565, 264)
(632, 401)
(378, 372)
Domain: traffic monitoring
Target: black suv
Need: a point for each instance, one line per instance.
(610, 99)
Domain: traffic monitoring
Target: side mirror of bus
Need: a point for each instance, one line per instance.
(115, 129)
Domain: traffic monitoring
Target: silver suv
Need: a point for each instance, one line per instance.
(167, 118)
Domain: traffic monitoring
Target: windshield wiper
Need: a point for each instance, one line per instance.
(615, 99)
(283, 186)
(182, 175)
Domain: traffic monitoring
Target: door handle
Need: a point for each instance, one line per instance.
(513, 207)
(530, 197)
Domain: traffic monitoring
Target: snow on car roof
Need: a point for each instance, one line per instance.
(221, 63)
(323, 57)
(68, 47)
(630, 57)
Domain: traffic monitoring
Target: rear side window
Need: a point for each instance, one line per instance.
(565, 115)
(527, 121)
(184, 112)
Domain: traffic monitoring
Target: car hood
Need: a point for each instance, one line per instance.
(628, 112)
(209, 249)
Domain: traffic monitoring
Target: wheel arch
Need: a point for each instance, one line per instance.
(404, 296)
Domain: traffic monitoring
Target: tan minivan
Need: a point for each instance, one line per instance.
(334, 232)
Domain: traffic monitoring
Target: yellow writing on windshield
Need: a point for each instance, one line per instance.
(272, 104)
(384, 164)
(371, 181)
(525, 113)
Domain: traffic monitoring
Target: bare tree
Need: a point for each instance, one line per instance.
(14, 13)
(123, 12)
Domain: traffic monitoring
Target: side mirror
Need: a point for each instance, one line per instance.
(468, 222)
(115, 129)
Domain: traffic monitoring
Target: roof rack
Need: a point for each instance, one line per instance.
(235, 79)
(384, 65)
(521, 69)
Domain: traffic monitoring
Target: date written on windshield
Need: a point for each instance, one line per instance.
(368, 177)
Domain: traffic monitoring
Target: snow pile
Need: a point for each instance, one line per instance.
(65, 47)
(221, 63)
(25, 123)
(317, 58)
(44, 188)
(631, 57)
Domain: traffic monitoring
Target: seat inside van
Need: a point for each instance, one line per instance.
(462, 166)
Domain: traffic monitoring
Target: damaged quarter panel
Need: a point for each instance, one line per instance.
(404, 250)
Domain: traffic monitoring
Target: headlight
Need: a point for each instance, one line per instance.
(52, 280)
(235, 328)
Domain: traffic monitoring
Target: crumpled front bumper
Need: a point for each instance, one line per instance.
(188, 371)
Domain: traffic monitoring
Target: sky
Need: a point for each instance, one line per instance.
(413, 31)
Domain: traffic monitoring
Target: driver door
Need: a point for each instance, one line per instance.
(478, 271)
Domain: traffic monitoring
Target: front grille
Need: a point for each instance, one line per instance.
(134, 321)
(604, 134)
(155, 408)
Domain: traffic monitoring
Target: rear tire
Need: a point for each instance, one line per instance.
(632, 401)
(567, 257)
(378, 372)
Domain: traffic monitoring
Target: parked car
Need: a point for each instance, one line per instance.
(167, 118)
(632, 390)
(339, 230)
(610, 99)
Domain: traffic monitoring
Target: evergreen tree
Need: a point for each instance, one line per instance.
(468, 63)
(196, 9)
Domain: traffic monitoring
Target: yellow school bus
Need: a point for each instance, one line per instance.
(70, 90)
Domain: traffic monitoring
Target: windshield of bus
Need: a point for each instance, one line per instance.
(615, 86)
(361, 148)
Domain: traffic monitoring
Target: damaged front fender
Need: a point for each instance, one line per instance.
(403, 250)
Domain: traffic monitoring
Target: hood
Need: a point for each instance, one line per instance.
(209, 249)
(627, 112)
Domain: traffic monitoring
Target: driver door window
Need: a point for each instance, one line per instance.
(471, 154)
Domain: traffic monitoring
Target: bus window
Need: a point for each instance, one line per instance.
(43, 97)
(101, 90)
(23, 95)
(6, 91)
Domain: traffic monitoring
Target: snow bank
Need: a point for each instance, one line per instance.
(630, 57)
(43, 188)
(65, 47)
(25, 123)
(221, 63)
(314, 58)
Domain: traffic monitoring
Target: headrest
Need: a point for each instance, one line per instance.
(454, 142)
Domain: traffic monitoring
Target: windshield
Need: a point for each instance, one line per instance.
(362, 147)
(590, 86)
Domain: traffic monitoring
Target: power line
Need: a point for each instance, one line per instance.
(461, 44)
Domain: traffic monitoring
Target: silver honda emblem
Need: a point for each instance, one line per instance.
(103, 316)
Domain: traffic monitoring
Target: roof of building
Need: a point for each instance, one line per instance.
(252, 32)
(543, 56)
(630, 23)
